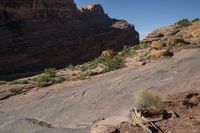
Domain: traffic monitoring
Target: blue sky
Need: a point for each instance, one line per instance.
(148, 15)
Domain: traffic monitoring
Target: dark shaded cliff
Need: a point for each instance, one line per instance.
(41, 33)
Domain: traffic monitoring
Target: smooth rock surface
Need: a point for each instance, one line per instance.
(76, 105)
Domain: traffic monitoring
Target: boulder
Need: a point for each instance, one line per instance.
(109, 125)
(107, 53)
(156, 45)
(160, 53)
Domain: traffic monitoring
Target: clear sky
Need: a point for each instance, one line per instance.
(148, 15)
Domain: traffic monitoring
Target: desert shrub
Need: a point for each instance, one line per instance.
(111, 63)
(16, 90)
(183, 23)
(2, 82)
(25, 81)
(114, 63)
(60, 80)
(195, 20)
(83, 76)
(71, 67)
(43, 79)
(144, 45)
(14, 82)
(127, 51)
(144, 99)
(50, 71)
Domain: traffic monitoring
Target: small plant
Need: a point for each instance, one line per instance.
(127, 51)
(71, 67)
(15, 90)
(195, 20)
(60, 80)
(43, 79)
(14, 82)
(144, 45)
(183, 23)
(145, 99)
(25, 81)
(2, 82)
(50, 71)
(113, 63)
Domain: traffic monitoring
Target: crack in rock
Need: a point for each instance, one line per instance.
(40, 123)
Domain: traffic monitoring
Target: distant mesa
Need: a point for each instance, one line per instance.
(35, 34)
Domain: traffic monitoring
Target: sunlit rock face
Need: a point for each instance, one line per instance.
(35, 34)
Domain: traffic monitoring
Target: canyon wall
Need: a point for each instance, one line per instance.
(35, 34)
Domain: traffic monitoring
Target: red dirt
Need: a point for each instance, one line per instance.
(185, 115)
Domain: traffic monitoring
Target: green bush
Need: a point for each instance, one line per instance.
(43, 79)
(14, 82)
(113, 63)
(16, 90)
(2, 82)
(144, 45)
(145, 99)
(25, 81)
(71, 67)
(50, 71)
(60, 80)
(127, 51)
(183, 23)
(195, 20)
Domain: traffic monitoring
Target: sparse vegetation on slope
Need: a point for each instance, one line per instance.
(2, 82)
(183, 23)
(15, 90)
(25, 81)
(45, 78)
(195, 20)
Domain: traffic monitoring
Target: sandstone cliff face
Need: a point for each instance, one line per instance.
(39, 33)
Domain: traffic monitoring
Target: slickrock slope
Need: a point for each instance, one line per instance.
(38, 33)
(74, 106)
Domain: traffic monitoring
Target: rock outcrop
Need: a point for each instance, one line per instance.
(41, 33)
(173, 35)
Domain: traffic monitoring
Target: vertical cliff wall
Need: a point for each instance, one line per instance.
(40, 33)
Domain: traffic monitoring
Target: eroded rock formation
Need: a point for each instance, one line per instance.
(173, 35)
(40, 33)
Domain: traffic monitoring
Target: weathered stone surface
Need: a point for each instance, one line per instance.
(156, 45)
(109, 125)
(160, 53)
(173, 35)
(78, 104)
(40, 33)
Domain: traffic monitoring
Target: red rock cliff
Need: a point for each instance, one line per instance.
(41, 33)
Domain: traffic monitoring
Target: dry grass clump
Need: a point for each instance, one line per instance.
(147, 99)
